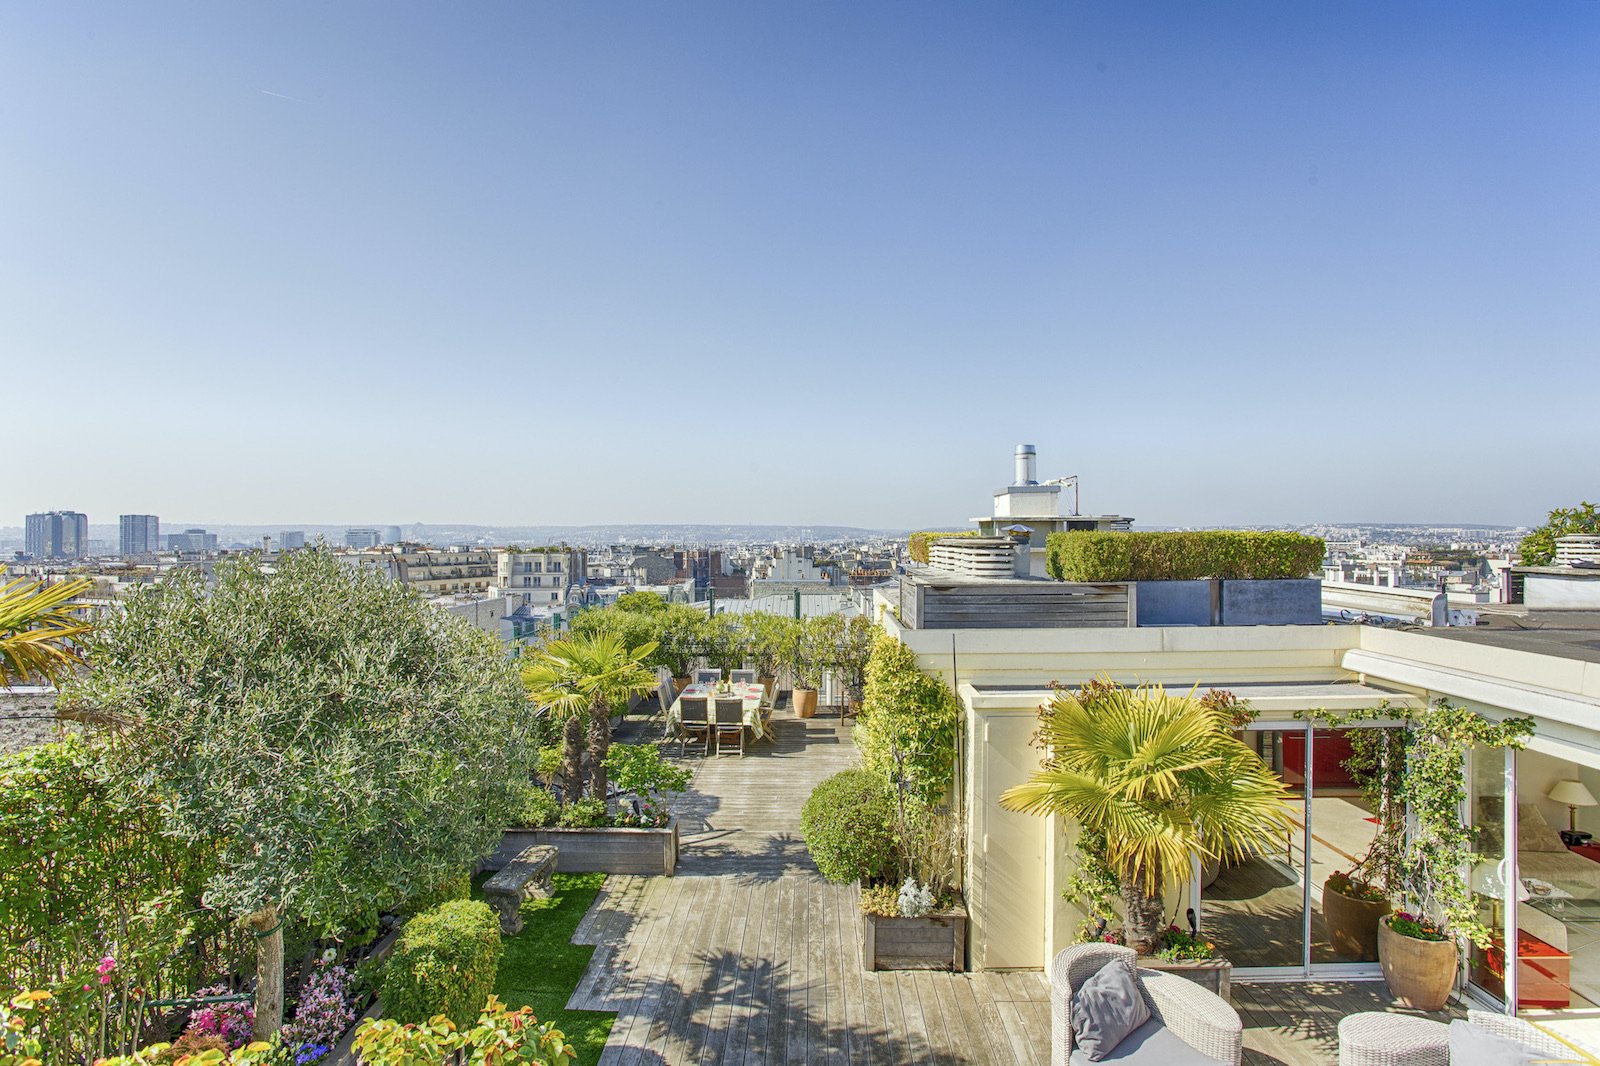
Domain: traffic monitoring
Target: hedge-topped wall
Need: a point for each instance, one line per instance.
(917, 548)
(1222, 553)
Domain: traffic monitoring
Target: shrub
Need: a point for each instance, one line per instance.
(444, 962)
(325, 1010)
(537, 810)
(457, 887)
(917, 546)
(848, 823)
(1183, 556)
(880, 900)
(588, 813)
(498, 1036)
(906, 712)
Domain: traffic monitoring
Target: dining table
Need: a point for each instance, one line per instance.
(749, 694)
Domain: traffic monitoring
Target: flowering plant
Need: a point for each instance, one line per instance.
(233, 1022)
(324, 1012)
(20, 1044)
(1354, 888)
(1415, 926)
(1177, 945)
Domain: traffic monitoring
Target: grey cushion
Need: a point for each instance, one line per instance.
(1106, 1008)
(1151, 1043)
(1475, 1044)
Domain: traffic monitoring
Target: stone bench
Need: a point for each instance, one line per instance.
(525, 877)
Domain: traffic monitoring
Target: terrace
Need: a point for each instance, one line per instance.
(749, 956)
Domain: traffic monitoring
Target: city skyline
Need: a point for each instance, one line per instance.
(714, 262)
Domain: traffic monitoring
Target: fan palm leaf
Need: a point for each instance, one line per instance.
(38, 625)
(1161, 778)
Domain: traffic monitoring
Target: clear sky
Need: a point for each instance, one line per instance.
(799, 261)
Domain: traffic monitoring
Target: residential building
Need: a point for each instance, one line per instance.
(57, 535)
(141, 534)
(429, 571)
(192, 540)
(363, 537)
(540, 577)
(292, 539)
(1028, 511)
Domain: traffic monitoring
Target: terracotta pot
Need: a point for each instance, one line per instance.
(680, 683)
(1352, 924)
(770, 684)
(805, 702)
(1420, 973)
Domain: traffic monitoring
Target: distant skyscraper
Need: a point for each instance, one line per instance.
(363, 538)
(391, 534)
(292, 539)
(57, 535)
(141, 534)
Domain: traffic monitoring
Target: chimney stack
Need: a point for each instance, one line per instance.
(1026, 457)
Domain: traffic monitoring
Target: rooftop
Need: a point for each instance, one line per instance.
(1568, 634)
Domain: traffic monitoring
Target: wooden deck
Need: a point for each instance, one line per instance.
(748, 956)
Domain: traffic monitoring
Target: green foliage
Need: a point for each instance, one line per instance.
(1539, 547)
(277, 713)
(808, 651)
(1093, 885)
(587, 813)
(537, 810)
(1160, 779)
(767, 640)
(260, 1053)
(22, 1022)
(89, 870)
(498, 1036)
(444, 962)
(1416, 927)
(451, 888)
(917, 546)
(848, 823)
(541, 966)
(908, 723)
(1178, 946)
(1183, 556)
(849, 642)
(1352, 888)
(639, 769)
(644, 602)
(38, 626)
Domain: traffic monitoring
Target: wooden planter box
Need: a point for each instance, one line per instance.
(606, 851)
(937, 942)
(1215, 975)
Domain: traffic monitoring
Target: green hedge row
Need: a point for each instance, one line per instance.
(444, 962)
(917, 547)
(1185, 556)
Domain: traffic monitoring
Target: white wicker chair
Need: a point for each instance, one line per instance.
(1536, 1040)
(1198, 1017)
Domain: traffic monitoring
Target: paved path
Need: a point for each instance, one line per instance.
(749, 956)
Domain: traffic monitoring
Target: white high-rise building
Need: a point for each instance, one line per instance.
(363, 537)
(141, 534)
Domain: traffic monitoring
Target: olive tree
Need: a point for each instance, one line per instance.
(344, 744)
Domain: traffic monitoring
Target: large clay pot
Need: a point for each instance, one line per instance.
(1352, 925)
(1420, 973)
(680, 683)
(770, 684)
(805, 702)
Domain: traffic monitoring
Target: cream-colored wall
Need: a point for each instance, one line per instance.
(1537, 773)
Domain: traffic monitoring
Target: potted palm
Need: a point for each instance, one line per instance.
(1161, 779)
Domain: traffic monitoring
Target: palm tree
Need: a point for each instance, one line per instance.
(37, 627)
(579, 680)
(1161, 779)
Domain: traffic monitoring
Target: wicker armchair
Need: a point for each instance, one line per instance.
(1198, 1017)
(1531, 1037)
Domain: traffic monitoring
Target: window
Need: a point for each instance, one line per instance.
(555, 566)
(552, 595)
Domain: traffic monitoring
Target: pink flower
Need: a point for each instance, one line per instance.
(104, 968)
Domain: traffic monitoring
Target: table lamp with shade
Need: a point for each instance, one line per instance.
(1574, 795)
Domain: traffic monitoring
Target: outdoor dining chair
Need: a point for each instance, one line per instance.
(707, 677)
(742, 677)
(730, 722)
(693, 721)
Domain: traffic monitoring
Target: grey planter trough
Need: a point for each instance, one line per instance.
(585, 851)
(1215, 975)
(936, 942)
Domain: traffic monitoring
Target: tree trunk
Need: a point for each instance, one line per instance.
(572, 759)
(1144, 912)
(267, 925)
(599, 744)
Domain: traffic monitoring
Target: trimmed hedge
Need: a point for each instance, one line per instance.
(917, 546)
(1184, 556)
(848, 822)
(911, 712)
(444, 962)
(457, 887)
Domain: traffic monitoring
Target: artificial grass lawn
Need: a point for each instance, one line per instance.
(541, 966)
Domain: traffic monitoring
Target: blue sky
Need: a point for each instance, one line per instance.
(523, 263)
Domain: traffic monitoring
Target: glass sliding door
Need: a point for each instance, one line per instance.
(1256, 910)
(1491, 779)
(1343, 825)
